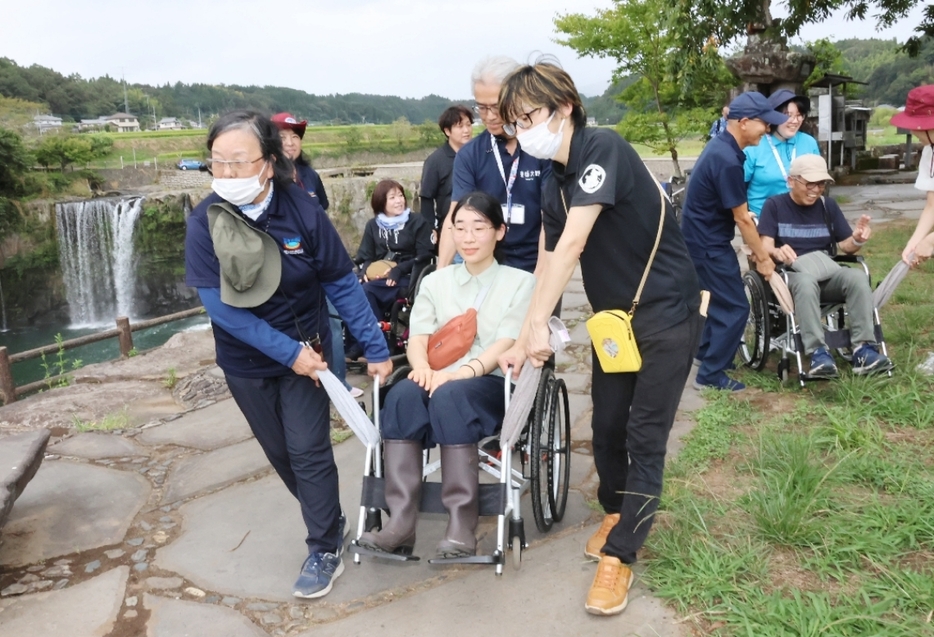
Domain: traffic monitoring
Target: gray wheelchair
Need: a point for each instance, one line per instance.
(543, 456)
(770, 328)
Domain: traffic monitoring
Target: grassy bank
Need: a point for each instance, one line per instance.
(811, 512)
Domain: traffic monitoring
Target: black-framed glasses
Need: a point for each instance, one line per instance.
(812, 186)
(524, 122)
(483, 109)
(236, 166)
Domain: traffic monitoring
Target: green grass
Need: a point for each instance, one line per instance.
(110, 422)
(810, 512)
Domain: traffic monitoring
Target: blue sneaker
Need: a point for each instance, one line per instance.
(822, 365)
(868, 360)
(722, 382)
(318, 574)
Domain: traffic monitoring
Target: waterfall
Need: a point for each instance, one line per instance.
(95, 246)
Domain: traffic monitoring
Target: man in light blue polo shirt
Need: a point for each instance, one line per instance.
(494, 163)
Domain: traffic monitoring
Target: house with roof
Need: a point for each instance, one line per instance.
(98, 123)
(170, 123)
(47, 122)
(123, 122)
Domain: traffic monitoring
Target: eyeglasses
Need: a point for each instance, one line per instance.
(475, 231)
(483, 109)
(811, 186)
(797, 117)
(234, 166)
(524, 122)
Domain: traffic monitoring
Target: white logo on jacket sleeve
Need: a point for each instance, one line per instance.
(592, 179)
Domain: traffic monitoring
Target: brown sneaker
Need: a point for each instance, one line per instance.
(609, 592)
(598, 539)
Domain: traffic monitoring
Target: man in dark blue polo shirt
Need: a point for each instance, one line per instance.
(495, 164)
(714, 206)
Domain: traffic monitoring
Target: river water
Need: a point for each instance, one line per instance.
(19, 340)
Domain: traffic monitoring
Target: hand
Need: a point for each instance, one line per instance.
(538, 348)
(438, 379)
(863, 231)
(923, 250)
(785, 254)
(309, 363)
(390, 283)
(382, 369)
(513, 357)
(908, 252)
(765, 267)
(422, 377)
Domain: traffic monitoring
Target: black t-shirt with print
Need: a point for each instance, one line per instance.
(604, 169)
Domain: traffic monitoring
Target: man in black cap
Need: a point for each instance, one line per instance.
(715, 204)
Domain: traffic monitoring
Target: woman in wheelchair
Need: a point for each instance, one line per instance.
(457, 406)
(393, 242)
(799, 229)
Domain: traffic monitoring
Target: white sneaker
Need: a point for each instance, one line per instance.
(355, 392)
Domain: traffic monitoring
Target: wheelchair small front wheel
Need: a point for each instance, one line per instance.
(784, 370)
(516, 553)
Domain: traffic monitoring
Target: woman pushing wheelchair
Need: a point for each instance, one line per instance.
(452, 403)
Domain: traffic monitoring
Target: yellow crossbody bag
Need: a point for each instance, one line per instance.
(611, 330)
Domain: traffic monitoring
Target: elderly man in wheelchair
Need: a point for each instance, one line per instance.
(803, 230)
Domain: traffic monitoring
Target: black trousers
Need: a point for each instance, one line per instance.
(291, 420)
(632, 417)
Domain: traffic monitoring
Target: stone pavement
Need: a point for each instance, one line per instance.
(179, 527)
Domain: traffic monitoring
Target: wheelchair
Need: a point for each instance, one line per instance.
(770, 328)
(543, 453)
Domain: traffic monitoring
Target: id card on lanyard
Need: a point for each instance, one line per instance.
(778, 159)
(513, 213)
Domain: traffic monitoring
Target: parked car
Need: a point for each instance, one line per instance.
(190, 164)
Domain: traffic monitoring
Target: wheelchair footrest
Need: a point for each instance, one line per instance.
(398, 557)
(496, 558)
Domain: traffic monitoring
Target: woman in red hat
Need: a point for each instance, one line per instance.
(291, 132)
(918, 117)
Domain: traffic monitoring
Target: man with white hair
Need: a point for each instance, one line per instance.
(494, 163)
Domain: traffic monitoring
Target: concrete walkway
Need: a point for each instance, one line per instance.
(179, 527)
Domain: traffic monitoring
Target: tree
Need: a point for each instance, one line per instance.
(401, 130)
(663, 109)
(15, 162)
(430, 134)
(63, 150)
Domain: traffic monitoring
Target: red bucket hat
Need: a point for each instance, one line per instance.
(285, 121)
(919, 110)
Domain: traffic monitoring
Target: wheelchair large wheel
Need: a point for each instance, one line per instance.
(540, 422)
(754, 348)
(559, 444)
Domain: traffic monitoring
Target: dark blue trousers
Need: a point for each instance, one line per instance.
(718, 272)
(381, 296)
(291, 420)
(460, 412)
(632, 417)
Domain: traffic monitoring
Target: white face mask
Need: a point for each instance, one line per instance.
(240, 190)
(539, 142)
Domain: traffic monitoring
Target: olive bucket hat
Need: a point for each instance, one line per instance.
(250, 261)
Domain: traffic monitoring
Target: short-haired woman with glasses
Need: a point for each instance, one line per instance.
(603, 208)
(263, 256)
(766, 164)
(459, 405)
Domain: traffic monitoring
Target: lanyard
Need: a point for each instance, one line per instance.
(781, 164)
(502, 173)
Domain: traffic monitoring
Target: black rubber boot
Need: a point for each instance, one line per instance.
(402, 466)
(460, 494)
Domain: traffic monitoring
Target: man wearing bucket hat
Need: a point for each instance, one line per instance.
(918, 117)
(714, 207)
(801, 229)
(264, 256)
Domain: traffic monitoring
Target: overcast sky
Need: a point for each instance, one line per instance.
(392, 47)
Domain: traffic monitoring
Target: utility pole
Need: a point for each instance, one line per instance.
(199, 116)
(126, 103)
